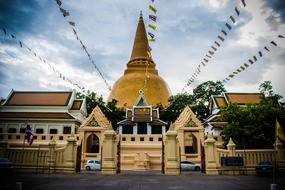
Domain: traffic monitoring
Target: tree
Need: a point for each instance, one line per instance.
(268, 94)
(176, 105)
(252, 126)
(202, 95)
(199, 101)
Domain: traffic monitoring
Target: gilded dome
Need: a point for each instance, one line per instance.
(140, 75)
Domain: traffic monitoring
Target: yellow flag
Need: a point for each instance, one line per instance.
(279, 131)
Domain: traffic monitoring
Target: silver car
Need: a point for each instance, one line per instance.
(190, 166)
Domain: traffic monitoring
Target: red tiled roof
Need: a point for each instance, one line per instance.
(38, 99)
(221, 102)
(244, 98)
(76, 104)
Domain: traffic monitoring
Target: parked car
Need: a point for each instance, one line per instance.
(93, 165)
(264, 167)
(189, 166)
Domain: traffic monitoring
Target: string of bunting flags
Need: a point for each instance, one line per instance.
(216, 45)
(151, 34)
(252, 60)
(62, 76)
(66, 13)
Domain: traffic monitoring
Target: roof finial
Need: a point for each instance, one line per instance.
(141, 15)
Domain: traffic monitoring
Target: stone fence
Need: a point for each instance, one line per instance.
(42, 158)
(250, 158)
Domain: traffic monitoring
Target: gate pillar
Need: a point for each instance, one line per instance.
(109, 153)
(172, 155)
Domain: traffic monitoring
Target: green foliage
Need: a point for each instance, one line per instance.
(269, 96)
(199, 101)
(110, 109)
(252, 126)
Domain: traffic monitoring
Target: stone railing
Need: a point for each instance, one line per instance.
(250, 158)
(42, 158)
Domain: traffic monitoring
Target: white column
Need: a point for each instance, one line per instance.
(120, 129)
(135, 130)
(163, 129)
(148, 129)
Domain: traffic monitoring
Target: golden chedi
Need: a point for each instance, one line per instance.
(140, 74)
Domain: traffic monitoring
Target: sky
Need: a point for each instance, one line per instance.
(186, 29)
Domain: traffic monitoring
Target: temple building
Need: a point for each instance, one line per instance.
(51, 116)
(140, 74)
(214, 124)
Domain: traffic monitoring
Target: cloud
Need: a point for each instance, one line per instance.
(186, 30)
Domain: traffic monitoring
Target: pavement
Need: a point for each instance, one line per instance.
(93, 180)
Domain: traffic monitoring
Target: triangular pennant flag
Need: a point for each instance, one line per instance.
(58, 2)
(251, 62)
(13, 36)
(64, 12)
(21, 44)
(238, 70)
(224, 32)
(152, 17)
(35, 54)
(242, 67)
(151, 34)
(235, 72)
(222, 39)
(254, 58)
(71, 23)
(206, 60)
(272, 42)
(152, 9)
(227, 78)
(266, 48)
(215, 49)
(243, 3)
(231, 75)
(280, 36)
(217, 44)
(211, 53)
(246, 65)
(151, 40)
(203, 63)
(232, 19)
(208, 56)
(152, 26)
(4, 30)
(237, 11)
(228, 26)
(260, 54)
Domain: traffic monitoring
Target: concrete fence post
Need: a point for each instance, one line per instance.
(109, 165)
(210, 155)
(231, 146)
(172, 160)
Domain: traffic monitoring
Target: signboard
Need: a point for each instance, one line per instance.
(232, 161)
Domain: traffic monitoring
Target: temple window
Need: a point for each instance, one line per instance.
(142, 128)
(128, 129)
(93, 144)
(12, 130)
(53, 131)
(66, 130)
(156, 129)
(23, 130)
(39, 131)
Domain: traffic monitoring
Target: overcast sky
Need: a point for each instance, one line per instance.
(186, 31)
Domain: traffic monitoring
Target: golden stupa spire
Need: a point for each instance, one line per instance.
(141, 46)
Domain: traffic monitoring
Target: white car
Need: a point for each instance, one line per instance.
(190, 166)
(93, 165)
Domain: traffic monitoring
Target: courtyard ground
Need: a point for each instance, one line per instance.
(142, 181)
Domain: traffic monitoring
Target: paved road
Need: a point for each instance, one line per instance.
(143, 181)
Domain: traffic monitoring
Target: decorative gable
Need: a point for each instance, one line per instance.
(187, 119)
(97, 119)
